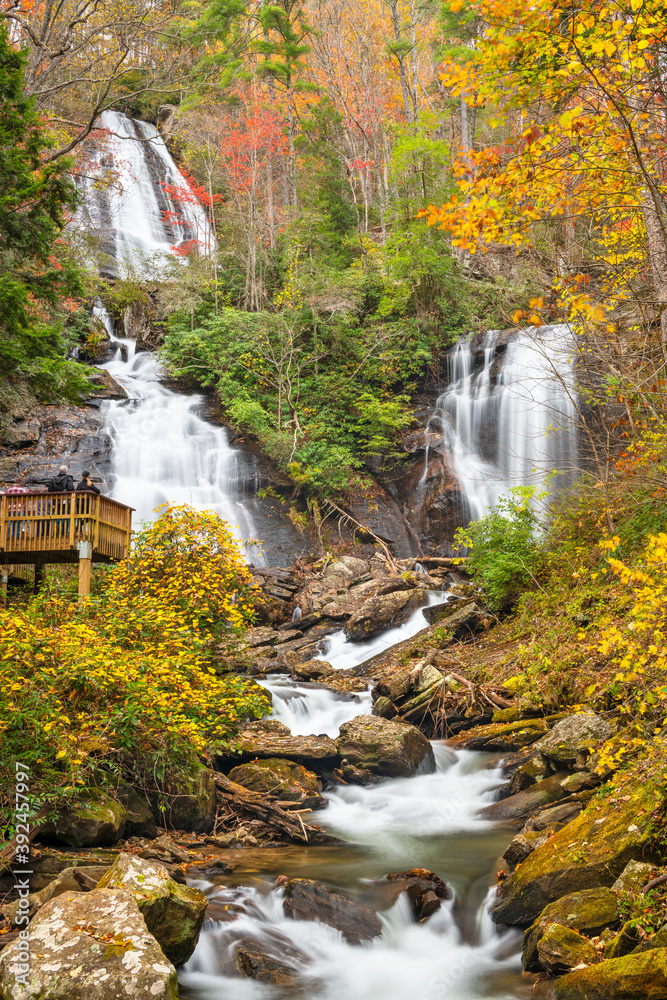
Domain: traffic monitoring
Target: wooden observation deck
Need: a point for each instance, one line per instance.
(83, 528)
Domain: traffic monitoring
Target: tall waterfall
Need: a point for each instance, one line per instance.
(509, 419)
(130, 200)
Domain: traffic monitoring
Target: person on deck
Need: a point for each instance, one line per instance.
(86, 485)
(62, 483)
(15, 527)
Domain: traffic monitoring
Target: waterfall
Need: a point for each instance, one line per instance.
(129, 203)
(509, 419)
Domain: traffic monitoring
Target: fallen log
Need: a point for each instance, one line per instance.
(263, 807)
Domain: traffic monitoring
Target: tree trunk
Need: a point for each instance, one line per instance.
(655, 219)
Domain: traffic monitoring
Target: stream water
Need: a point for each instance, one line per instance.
(429, 821)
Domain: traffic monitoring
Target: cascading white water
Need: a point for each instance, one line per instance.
(515, 426)
(136, 200)
(430, 821)
(163, 450)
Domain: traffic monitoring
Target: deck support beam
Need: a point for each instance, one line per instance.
(85, 550)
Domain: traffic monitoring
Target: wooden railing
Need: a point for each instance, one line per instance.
(44, 527)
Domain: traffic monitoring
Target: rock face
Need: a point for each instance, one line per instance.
(270, 739)
(174, 913)
(289, 781)
(379, 613)
(305, 899)
(589, 911)
(613, 836)
(100, 934)
(190, 802)
(385, 747)
(94, 820)
(571, 736)
(635, 977)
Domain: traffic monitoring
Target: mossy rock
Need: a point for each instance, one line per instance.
(589, 852)
(385, 747)
(634, 877)
(571, 736)
(289, 781)
(140, 821)
(589, 911)
(624, 942)
(189, 801)
(174, 913)
(562, 948)
(95, 819)
(634, 977)
(504, 735)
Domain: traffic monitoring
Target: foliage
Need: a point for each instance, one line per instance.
(37, 271)
(506, 553)
(125, 682)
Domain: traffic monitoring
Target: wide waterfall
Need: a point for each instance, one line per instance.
(136, 202)
(509, 419)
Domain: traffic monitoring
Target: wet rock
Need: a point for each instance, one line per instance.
(561, 949)
(385, 747)
(503, 736)
(21, 433)
(521, 846)
(253, 959)
(347, 566)
(190, 802)
(289, 781)
(379, 613)
(174, 913)
(269, 738)
(424, 889)
(553, 818)
(104, 386)
(312, 670)
(94, 819)
(573, 734)
(635, 977)
(529, 773)
(525, 803)
(613, 834)
(589, 911)
(305, 899)
(85, 945)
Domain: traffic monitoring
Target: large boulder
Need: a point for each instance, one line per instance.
(305, 899)
(95, 818)
(289, 781)
(635, 977)
(590, 912)
(572, 736)
(526, 803)
(589, 852)
(385, 747)
(187, 802)
(174, 913)
(561, 948)
(69, 880)
(502, 736)
(139, 818)
(270, 739)
(249, 958)
(84, 945)
(381, 612)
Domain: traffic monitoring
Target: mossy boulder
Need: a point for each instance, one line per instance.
(634, 877)
(186, 802)
(572, 736)
(386, 747)
(525, 803)
(624, 942)
(140, 821)
(502, 736)
(589, 911)
(94, 819)
(289, 781)
(591, 851)
(634, 977)
(87, 945)
(562, 948)
(269, 738)
(174, 913)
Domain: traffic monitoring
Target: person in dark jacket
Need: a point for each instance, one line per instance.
(62, 483)
(86, 485)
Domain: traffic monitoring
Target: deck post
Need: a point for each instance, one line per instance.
(85, 550)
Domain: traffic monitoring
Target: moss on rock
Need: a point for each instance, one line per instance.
(289, 781)
(635, 977)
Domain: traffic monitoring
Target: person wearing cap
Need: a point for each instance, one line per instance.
(86, 485)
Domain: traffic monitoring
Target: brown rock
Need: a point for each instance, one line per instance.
(305, 899)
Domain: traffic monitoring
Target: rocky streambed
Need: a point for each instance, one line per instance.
(395, 829)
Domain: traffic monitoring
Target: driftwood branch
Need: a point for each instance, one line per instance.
(262, 807)
(349, 519)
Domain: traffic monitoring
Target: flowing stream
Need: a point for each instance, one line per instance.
(429, 821)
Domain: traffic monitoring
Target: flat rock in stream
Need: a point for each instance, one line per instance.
(305, 899)
(271, 739)
(381, 612)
